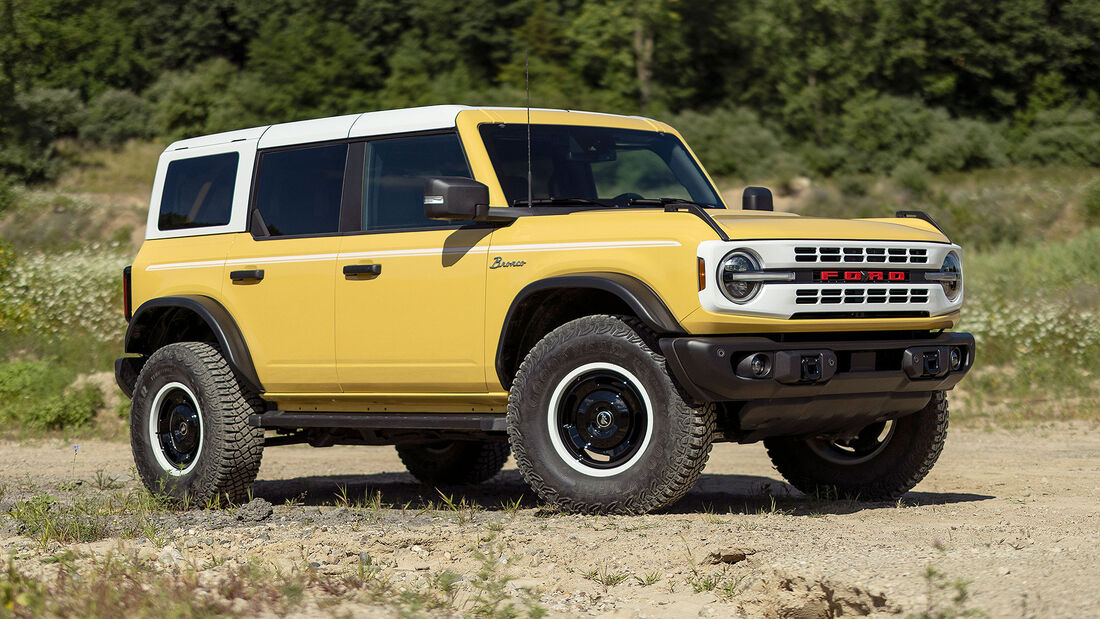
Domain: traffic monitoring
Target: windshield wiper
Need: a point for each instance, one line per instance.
(557, 202)
(665, 202)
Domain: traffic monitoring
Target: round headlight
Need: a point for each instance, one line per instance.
(738, 262)
(952, 287)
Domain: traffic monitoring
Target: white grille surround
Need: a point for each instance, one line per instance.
(786, 299)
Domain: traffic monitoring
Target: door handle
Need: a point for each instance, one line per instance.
(253, 275)
(354, 270)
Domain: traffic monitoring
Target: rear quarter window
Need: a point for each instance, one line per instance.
(198, 192)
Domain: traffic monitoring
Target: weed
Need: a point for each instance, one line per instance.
(650, 578)
(606, 577)
(47, 521)
(511, 507)
(103, 481)
(945, 598)
(342, 499)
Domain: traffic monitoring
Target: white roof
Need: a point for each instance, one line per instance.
(339, 127)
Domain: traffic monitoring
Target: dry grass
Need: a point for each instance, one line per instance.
(123, 175)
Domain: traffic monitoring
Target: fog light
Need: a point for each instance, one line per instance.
(759, 364)
(956, 359)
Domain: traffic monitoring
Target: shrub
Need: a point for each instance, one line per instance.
(1068, 136)
(963, 144)
(116, 116)
(7, 192)
(1092, 203)
(734, 142)
(212, 97)
(54, 112)
(66, 410)
(19, 378)
(911, 176)
(880, 132)
(852, 186)
(33, 395)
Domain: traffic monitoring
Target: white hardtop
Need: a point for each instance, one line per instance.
(365, 124)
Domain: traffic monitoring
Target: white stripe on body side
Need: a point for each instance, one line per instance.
(399, 253)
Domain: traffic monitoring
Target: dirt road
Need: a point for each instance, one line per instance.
(1015, 515)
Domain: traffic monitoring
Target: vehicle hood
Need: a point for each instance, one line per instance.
(755, 225)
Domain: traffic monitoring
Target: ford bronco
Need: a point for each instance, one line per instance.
(567, 288)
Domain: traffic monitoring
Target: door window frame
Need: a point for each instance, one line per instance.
(354, 187)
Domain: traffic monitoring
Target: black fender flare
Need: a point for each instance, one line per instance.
(638, 296)
(217, 318)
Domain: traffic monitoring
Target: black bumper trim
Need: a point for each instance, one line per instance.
(705, 367)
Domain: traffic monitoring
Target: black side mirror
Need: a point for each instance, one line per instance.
(757, 199)
(455, 198)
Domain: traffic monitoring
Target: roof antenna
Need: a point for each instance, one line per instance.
(530, 178)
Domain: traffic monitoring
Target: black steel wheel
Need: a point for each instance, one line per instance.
(601, 415)
(175, 428)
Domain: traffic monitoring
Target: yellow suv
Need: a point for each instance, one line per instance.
(565, 287)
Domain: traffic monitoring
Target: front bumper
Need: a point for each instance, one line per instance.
(813, 386)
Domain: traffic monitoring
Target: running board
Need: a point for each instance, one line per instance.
(397, 421)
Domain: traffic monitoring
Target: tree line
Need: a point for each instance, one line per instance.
(806, 86)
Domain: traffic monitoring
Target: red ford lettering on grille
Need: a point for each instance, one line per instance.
(861, 276)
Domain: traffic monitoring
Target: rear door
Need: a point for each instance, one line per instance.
(280, 275)
(410, 291)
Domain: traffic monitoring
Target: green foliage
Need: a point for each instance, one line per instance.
(1068, 136)
(1091, 203)
(732, 142)
(34, 395)
(911, 176)
(116, 116)
(853, 87)
(963, 144)
(881, 132)
(7, 192)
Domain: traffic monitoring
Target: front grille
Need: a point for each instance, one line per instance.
(861, 255)
(837, 296)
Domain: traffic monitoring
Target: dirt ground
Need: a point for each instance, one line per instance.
(1014, 514)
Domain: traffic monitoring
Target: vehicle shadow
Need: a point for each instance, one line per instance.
(713, 494)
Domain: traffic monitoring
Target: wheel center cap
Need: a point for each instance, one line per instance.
(183, 428)
(604, 419)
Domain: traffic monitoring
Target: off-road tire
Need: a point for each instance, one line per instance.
(229, 457)
(666, 467)
(912, 450)
(454, 462)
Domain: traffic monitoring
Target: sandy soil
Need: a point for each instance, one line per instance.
(1017, 514)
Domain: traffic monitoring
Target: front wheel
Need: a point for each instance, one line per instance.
(880, 462)
(597, 425)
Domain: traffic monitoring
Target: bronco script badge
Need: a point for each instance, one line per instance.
(498, 263)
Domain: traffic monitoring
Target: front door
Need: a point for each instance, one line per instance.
(410, 291)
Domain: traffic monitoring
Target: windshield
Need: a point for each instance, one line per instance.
(608, 166)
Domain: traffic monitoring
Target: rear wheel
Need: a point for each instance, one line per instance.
(882, 461)
(597, 424)
(454, 462)
(189, 426)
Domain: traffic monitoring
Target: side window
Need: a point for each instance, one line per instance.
(395, 170)
(298, 191)
(198, 192)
